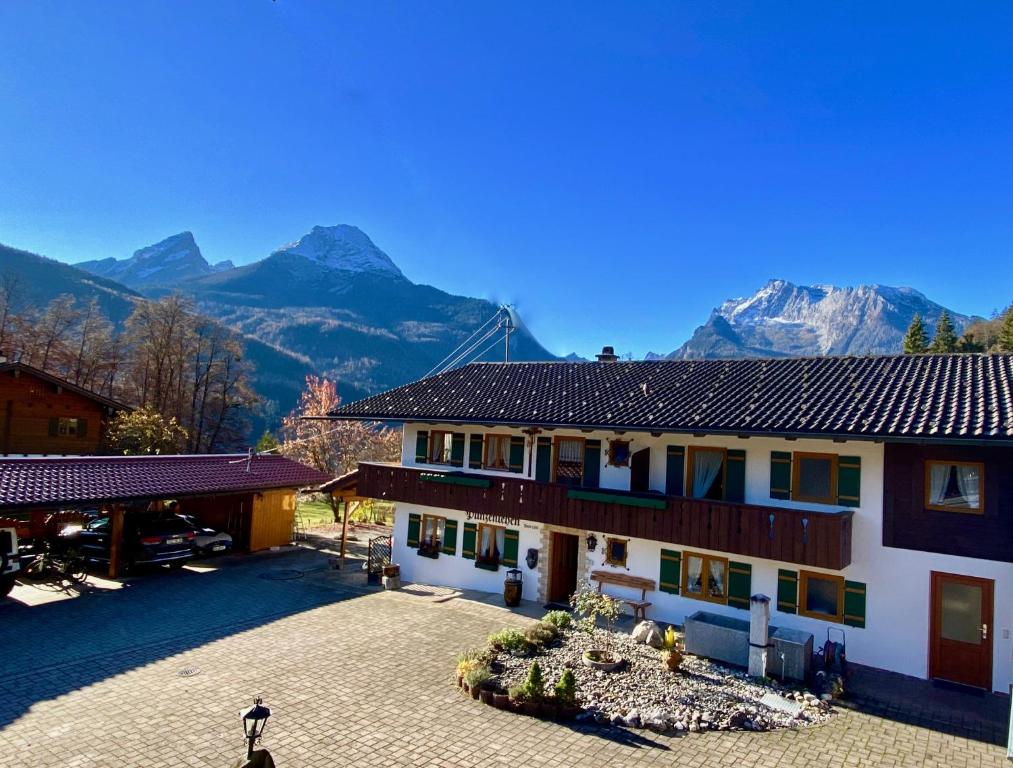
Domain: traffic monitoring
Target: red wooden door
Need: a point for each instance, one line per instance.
(960, 648)
(563, 573)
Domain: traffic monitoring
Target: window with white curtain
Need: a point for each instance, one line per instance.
(440, 446)
(707, 473)
(954, 486)
(569, 460)
(497, 451)
(705, 577)
(491, 540)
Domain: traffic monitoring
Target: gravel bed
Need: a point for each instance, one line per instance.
(701, 696)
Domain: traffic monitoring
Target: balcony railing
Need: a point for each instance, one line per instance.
(820, 539)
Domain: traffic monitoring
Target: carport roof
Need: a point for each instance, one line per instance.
(64, 482)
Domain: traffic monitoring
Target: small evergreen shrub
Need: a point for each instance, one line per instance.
(566, 688)
(558, 619)
(534, 686)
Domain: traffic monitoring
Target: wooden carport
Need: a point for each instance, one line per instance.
(345, 490)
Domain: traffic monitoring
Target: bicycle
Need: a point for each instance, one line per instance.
(58, 566)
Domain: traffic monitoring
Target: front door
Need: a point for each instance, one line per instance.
(961, 642)
(563, 573)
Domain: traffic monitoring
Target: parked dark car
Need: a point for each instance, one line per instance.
(148, 539)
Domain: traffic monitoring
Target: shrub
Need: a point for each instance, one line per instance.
(566, 688)
(534, 686)
(517, 693)
(558, 619)
(511, 640)
(477, 676)
(468, 660)
(541, 633)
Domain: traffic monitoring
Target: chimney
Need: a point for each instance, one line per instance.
(608, 355)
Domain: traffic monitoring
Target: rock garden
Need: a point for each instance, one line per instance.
(566, 667)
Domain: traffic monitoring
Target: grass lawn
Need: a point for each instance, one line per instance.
(315, 513)
(318, 512)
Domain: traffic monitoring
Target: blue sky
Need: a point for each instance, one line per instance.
(615, 170)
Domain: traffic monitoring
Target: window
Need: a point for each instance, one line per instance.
(822, 596)
(68, 427)
(431, 535)
(705, 577)
(440, 445)
(954, 486)
(619, 453)
(491, 540)
(616, 551)
(497, 451)
(569, 468)
(706, 474)
(814, 477)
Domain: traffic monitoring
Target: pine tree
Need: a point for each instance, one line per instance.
(946, 338)
(915, 340)
(1006, 332)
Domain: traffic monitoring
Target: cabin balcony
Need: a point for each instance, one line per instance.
(818, 539)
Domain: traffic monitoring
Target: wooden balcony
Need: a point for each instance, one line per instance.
(820, 539)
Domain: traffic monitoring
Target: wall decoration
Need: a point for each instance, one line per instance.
(618, 453)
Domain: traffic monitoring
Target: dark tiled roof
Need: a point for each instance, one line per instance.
(48, 482)
(950, 397)
(58, 382)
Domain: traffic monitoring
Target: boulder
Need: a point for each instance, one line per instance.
(642, 630)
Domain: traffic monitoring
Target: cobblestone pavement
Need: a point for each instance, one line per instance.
(355, 678)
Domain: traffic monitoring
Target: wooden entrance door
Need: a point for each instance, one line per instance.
(563, 572)
(960, 648)
(640, 470)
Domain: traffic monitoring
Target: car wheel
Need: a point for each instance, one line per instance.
(6, 584)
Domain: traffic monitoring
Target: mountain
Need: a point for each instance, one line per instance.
(166, 263)
(40, 280)
(783, 319)
(336, 299)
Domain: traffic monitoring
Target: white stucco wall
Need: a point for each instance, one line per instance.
(896, 635)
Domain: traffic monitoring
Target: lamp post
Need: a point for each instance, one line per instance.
(254, 720)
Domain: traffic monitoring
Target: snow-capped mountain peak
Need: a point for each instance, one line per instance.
(343, 247)
(162, 265)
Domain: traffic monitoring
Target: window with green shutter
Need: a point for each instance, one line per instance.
(450, 537)
(421, 446)
(475, 452)
(457, 450)
(780, 474)
(740, 584)
(787, 591)
(675, 461)
(671, 571)
(517, 453)
(414, 527)
(592, 463)
(735, 476)
(468, 541)
(849, 481)
(511, 545)
(543, 460)
(854, 604)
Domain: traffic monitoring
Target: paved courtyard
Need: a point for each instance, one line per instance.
(154, 673)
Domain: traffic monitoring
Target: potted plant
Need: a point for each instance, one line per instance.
(671, 651)
(466, 662)
(592, 606)
(476, 678)
(566, 695)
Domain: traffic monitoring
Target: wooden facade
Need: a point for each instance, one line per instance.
(909, 523)
(819, 539)
(272, 519)
(39, 415)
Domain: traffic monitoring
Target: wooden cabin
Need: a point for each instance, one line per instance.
(41, 414)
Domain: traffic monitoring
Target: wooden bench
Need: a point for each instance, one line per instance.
(625, 580)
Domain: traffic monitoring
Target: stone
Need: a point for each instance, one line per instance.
(632, 719)
(643, 630)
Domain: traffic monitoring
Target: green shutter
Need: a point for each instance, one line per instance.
(674, 470)
(82, 427)
(854, 604)
(740, 577)
(592, 463)
(780, 475)
(735, 476)
(511, 543)
(421, 447)
(517, 454)
(54, 427)
(671, 571)
(543, 460)
(450, 537)
(475, 452)
(414, 526)
(849, 480)
(787, 591)
(468, 541)
(457, 449)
